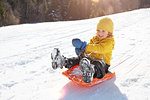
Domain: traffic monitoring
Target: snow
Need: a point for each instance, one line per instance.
(25, 60)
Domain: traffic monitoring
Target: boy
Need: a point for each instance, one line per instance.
(94, 57)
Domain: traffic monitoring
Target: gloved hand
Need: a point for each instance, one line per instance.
(78, 51)
(77, 43)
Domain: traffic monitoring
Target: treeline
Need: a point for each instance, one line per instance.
(32, 11)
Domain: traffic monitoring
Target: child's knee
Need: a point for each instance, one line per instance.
(99, 69)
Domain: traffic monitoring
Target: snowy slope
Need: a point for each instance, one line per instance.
(25, 62)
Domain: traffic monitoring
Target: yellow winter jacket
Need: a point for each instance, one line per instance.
(101, 49)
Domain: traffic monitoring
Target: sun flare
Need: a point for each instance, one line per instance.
(95, 0)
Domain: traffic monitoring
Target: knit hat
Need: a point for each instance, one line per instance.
(105, 24)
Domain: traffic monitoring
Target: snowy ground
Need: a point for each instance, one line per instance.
(25, 62)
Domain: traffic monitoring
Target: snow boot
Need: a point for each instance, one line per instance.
(87, 70)
(58, 61)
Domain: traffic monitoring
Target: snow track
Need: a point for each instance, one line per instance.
(25, 62)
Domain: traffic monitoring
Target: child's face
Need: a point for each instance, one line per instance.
(102, 34)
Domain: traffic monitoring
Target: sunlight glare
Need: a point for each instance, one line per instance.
(62, 94)
(95, 0)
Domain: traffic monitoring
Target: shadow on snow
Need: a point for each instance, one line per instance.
(104, 91)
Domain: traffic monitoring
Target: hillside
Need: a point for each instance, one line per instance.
(25, 60)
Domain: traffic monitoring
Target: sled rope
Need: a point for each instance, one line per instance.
(122, 62)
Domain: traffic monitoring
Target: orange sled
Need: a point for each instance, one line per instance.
(75, 75)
